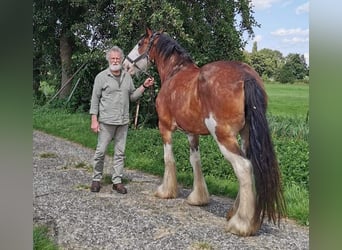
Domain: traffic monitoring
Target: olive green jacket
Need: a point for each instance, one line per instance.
(110, 98)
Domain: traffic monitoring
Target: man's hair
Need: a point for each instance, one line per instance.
(117, 49)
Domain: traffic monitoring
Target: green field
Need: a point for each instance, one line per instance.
(288, 99)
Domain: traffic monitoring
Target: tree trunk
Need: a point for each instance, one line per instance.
(65, 54)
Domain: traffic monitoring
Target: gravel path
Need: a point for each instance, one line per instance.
(80, 219)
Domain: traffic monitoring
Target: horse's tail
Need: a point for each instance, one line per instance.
(260, 151)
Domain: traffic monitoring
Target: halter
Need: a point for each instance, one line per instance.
(145, 54)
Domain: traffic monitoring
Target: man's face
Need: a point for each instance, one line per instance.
(114, 57)
(115, 60)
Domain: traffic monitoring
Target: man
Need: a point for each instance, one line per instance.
(109, 109)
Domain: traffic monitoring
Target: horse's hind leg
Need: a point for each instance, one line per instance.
(168, 188)
(199, 195)
(234, 208)
(241, 217)
(244, 144)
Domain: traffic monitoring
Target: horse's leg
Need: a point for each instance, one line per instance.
(242, 220)
(199, 194)
(244, 133)
(234, 208)
(242, 217)
(168, 188)
(244, 144)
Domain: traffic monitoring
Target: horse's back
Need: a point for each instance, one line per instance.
(230, 71)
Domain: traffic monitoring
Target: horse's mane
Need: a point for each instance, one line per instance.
(166, 47)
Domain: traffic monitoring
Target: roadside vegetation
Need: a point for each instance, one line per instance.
(42, 240)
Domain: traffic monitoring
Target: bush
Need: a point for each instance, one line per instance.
(293, 157)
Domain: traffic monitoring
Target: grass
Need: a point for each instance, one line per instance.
(144, 149)
(48, 155)
(291, 100)
(42, 240)
(201, 246)
(297, 203)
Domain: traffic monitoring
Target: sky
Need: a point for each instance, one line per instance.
(284, 26)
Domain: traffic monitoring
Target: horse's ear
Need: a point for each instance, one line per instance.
(148, 32)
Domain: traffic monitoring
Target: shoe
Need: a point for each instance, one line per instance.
(95, 186)
(120, 188)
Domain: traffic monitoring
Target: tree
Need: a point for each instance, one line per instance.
(61, 28)
(45, 51)
(55, 18)
(258, 62)
(271, 65)
(286, 74)
(255, 47)
(265, 61)
(208, 30)
(299, 65)
(273, 60)
(295, 68)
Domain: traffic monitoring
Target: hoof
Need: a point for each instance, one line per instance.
(241, 227)
(169, 194)
(195, 200)
(197, 203)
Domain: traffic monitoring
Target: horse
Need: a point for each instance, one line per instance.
(224, 99)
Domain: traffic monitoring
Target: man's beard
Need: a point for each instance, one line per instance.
(113, 67)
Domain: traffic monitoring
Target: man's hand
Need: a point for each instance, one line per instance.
(148, 82)
(95, 126)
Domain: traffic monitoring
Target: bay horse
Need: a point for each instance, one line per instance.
(224, 99)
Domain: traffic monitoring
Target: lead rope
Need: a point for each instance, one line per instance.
(152, 96)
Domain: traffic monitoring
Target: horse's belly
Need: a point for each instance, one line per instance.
(192, 125)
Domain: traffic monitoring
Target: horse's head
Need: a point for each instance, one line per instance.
(141, 56)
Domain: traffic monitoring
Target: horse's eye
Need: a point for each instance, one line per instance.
(140, 43)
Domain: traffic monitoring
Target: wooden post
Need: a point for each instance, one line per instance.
(136, 115)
